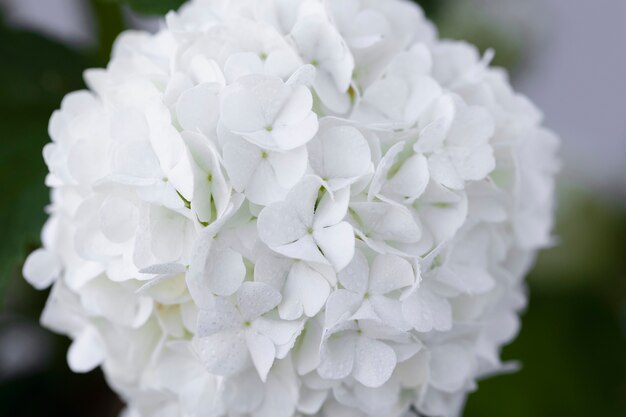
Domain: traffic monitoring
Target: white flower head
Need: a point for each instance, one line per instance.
(290, 208)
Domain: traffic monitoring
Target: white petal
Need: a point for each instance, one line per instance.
(336, 243)
(332, 208)
(279, 224)
(467, 279)
(279, 399)
(340, 152)
(169, 269)
(379, 401)
(177, 84)
(416, 61)
(225, 271)
(242, 64)
(303, 75)
(450, 367)
(473, 164)
(436, 124)
(307, 354)
(443, 210)
(241, 111)
(118, 219)
(289, 167)
(355, 276)
(311, 401)
(341, 305)
(305, 291)
(365, 313)
(222, 317)
(86, 352)
(473, 126)
(161, 194)
(337, 356)
(256, 298)
(384, 167)
(411, 179)
(280, 332)
(264, 188)
(198, 109)
(205, 70)
(167, 234)
(272, 269)
(384, 102)
(41, 269)
(304, 196)
(335, 99)
(269, 113)
(224, 353)
(389, 273)
(102, 297)
(426, 311)
(389, 311)
(387, 222)
(374, 362)
(129, 125)
(425, 92)
(136, 161)
(170, 150)
(305, 249)
(196, 276)
(289, 137)
(243, 393)
(241, 160)
(443, 170)
(262, 351)
(85, 161)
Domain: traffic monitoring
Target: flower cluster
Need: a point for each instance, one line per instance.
(279, 208)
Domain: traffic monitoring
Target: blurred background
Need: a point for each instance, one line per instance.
(568, 56)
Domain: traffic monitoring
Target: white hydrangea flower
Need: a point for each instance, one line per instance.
(228, 332)
(277, 208)
(268, 113)
(367, 292)
(309, 225)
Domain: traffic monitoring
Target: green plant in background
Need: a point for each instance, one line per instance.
(573, 342)
(31, 90)
(462, 20)
(145, 7)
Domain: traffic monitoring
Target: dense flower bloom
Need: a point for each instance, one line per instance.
(285, 208)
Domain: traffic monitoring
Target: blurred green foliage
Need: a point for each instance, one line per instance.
(573, 339)
(31, 90)
(432, 8)
(147, 7)
(154, 7)
(461, 20)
